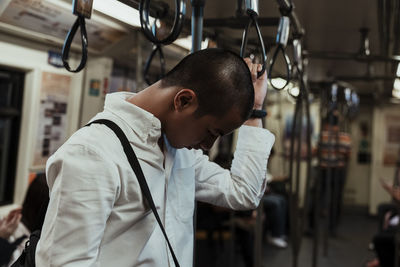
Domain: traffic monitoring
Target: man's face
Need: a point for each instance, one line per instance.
(201, 132)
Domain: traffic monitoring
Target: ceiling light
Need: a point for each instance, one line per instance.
(347, 94)
(119, 11)
(396, 93)
(396, 84)
(278, 82)
(396, 88)
(295, 91)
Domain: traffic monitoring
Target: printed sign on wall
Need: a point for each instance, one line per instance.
(52, 122)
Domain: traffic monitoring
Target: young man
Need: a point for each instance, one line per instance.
(96, 215)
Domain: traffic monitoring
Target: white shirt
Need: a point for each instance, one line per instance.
(96, 215)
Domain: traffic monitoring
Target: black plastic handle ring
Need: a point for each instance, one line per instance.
(253, 20)
(156, 48)
(180, 10)
(80, 22)
(288, 67)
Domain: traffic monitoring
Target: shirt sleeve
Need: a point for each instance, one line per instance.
(243, 186)
(83, 188)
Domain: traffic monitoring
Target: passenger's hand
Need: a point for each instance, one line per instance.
(9, 224)
(260, 84)
(385, 185)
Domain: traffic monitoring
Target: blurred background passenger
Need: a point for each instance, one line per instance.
(276, 209)
(384, 242)
(19, 223)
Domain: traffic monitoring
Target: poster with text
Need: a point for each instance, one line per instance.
(52, 122)
(391, 150)
(46, 17)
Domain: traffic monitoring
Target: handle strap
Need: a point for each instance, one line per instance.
(80, 22)
(133, 161)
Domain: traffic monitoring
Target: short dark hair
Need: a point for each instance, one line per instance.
(220, 79)
(35, 203)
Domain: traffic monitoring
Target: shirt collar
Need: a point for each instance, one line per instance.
(142, 122)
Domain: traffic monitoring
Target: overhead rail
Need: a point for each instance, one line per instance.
(156, 8)
(332, 55)
(240, 22)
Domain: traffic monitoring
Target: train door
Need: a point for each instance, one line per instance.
(11, 94)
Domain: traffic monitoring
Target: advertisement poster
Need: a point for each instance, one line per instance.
(47, 18)
(392, 140)
(52, 122)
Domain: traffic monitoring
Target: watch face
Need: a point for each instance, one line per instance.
(83, 8)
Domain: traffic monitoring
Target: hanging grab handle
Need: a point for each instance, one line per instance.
(80, 22)
(281, 41)
(180, 10)
(253, 20)
(156, 48)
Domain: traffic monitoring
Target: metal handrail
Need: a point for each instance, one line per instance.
(156, 48)
(253, 20)
(180, 11)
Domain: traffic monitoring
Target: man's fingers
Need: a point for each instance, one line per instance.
(248, 62)
(254, 72)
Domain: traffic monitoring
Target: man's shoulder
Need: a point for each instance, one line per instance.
(96, 138)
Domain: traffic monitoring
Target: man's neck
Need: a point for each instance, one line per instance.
(155, 100)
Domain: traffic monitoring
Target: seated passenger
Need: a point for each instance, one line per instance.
(17, 226)
(384, 242)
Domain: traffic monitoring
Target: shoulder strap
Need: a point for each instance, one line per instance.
(133, 161)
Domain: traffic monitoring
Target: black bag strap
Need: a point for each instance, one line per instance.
(133, 161)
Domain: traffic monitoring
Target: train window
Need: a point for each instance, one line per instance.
(11, 92)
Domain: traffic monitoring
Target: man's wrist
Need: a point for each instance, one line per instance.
(258, 113)
(254, 122)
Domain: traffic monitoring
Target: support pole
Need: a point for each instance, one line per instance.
(197, 24)
(258, 235)
(139, 63)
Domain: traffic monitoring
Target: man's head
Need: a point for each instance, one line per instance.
(214, 90)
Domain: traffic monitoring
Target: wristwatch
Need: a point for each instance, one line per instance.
(258, 113)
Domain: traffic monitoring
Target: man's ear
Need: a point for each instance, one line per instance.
(185, 99)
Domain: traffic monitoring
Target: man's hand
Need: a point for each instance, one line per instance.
(10, 223)
(260, 90)
(260, 84)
